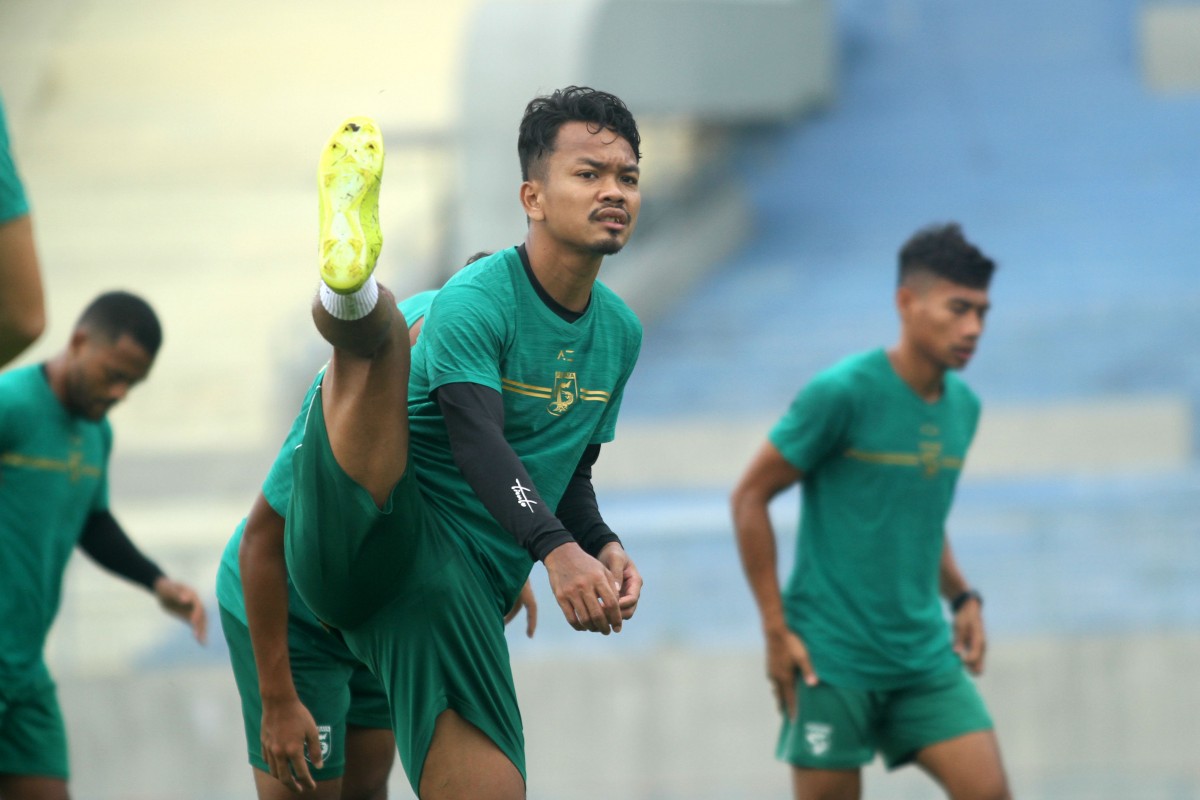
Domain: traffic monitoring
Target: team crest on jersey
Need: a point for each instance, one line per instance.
(325, 737)
(817, 734)
(566, 389)
(931, 458)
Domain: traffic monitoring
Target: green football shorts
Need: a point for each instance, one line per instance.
(332, 684)
(410, 603)
(838, 728)
(33, 738)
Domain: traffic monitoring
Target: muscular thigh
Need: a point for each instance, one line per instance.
(463, 761)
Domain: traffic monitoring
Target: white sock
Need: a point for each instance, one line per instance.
(351, 306)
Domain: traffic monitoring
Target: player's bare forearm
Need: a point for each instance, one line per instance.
(767, 475)
(756, 548)
(287, 726)
(264, 586)
(22, 307)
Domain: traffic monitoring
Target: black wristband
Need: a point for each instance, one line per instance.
(961, 599)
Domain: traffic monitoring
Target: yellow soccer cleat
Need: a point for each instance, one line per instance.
(348, 178)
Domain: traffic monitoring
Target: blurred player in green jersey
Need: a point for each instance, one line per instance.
(858, 650)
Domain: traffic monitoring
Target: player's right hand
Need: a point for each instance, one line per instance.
(786, 656)
(288, 730)
(584, 588)
(621, 566)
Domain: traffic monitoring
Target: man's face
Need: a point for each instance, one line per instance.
(586, 192)
(100, 373)
(943, 319)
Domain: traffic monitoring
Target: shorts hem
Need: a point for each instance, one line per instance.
(848, 765)
(910, 756)
(369, 724)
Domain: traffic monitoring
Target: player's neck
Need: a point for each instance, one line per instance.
(925, 377)
(566, 274)
(55, 370)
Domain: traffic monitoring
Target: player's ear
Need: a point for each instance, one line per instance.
(531, 200)
(79, 337)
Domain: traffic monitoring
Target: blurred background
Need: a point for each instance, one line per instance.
(790, 147)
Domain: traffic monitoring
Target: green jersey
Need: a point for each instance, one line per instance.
(53, 475)
(12, 194)
(561, 383)
(880, 467)
(277, 489)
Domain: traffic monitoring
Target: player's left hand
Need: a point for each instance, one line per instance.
(181, 600)
(970, 641)
(618, 562)
(527, 601)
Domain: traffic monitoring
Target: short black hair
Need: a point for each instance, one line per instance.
(115, 314)
(943, 251)
(547, 113)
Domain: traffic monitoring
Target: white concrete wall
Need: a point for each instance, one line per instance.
(1104, 718)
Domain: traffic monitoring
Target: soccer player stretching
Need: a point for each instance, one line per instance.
(429, 479)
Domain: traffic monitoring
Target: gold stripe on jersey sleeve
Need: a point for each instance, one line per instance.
(594, 395)
(529, 390)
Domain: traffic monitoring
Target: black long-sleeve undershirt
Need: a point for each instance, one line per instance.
(579, 510)
(474, 417)
(105, 542)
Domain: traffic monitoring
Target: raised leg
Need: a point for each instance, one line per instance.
(364, 393)
(463, 762)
